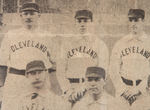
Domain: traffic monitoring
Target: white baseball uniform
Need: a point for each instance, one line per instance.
(132, 53)
(79, 52)
(18, 48)
(142, 103)
(88, 103)
(42, 100)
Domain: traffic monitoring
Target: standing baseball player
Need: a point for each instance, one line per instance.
(39, 96)
(80, 51)
(95, 97)
(136, 44)
(16, 50)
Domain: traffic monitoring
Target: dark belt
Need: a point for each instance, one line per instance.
(22, 72)
(16, 71)
(50, 70)
(76, 80)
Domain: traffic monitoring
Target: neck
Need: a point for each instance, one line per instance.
(31, 27)
(39, 89)
(96, 96)
(137, 35)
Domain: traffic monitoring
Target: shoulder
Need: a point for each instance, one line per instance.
(16, 31)
(67, 38)
(123, 39)
(67, 41)
(12, 34)
(120, 43)
(23, 99)
(61, 103)
(146, 39)
(98, 41)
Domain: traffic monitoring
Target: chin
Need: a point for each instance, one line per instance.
(38, 86)
(82, 32)
(94, 91)
(134, 32)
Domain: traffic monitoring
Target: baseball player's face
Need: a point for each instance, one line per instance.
(30, 18)
(136, 25)
(95, 84)
(83, 25)
(37, 78)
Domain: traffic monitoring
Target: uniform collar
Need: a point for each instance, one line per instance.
(141, 38)
(86, 37)
(101, 100)
(44, 92)
(31, 31)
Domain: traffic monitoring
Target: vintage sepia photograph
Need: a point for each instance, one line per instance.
(74, 55)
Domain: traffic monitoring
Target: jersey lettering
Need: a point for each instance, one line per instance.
(32, 44)
(28, 43)
(82, 49)
(137, 50)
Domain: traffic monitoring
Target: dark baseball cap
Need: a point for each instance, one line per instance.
(35, 65)
(30, 6)
(95, 72)
(136, 13)
(84, 14)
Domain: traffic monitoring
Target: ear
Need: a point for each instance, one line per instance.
(20, 14)
(75, 21)
(26, 75)
(103, 80)
(39, 14)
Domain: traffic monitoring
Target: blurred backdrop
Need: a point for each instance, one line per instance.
(110, 16)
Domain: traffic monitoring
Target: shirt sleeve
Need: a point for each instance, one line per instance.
(62, 65)
(4, 51)
(114, 68)
(62, 103)
(103, 55)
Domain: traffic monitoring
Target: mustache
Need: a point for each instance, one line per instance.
(28, 20)
(135, 27)
(36, 82)
(93, 88)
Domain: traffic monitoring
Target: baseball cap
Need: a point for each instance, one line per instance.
(136, 13)
(30, 6)
(35, 66)
(95, 72)
(84, 14)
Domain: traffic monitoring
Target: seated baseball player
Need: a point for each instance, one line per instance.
(95, 97)
(39, 97)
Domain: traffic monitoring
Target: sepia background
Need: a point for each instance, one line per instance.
(110, 16)
(57, 16)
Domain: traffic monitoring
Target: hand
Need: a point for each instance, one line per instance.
(34, 106)
(76, 95)
(131, 96)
